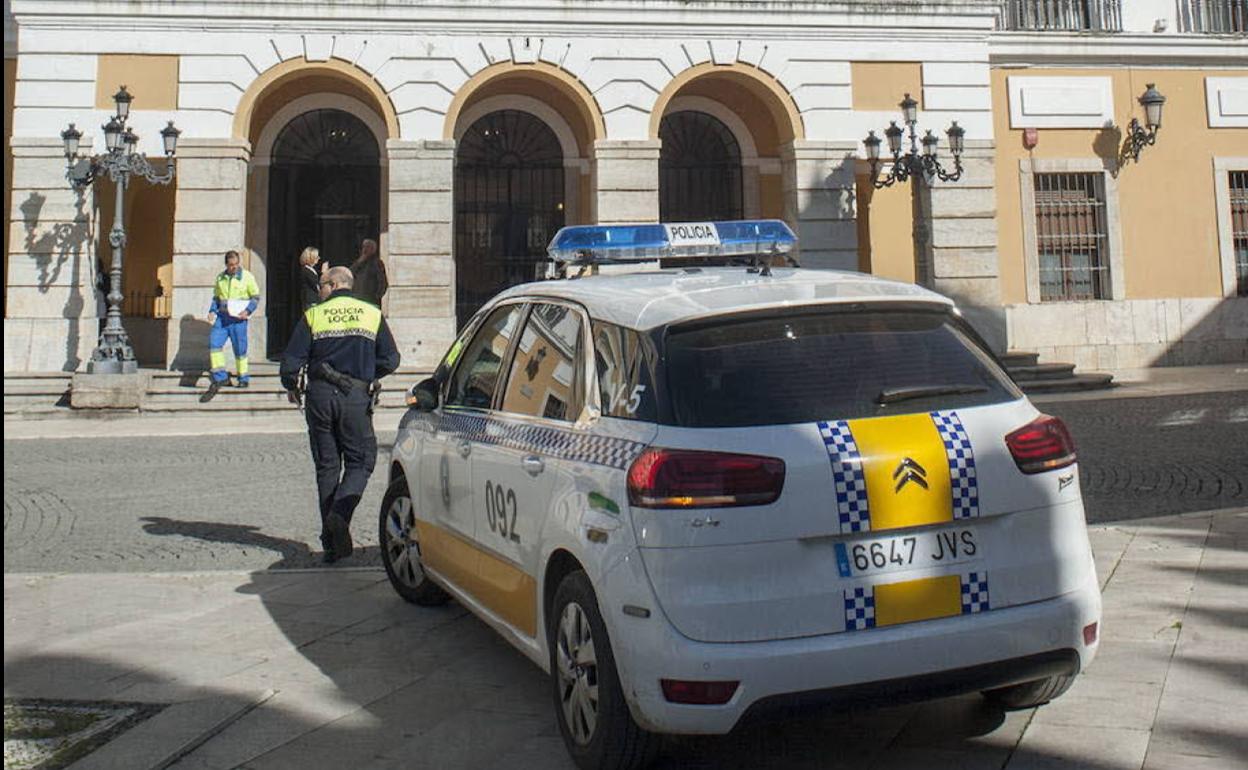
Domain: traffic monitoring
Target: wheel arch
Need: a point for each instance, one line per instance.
(559, 565)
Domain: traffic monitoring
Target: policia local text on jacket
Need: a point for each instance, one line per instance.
(350, 336)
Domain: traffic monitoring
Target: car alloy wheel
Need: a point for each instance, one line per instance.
(577, 667)
(401, 544)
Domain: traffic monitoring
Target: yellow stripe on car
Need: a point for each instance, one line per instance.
(906, 470)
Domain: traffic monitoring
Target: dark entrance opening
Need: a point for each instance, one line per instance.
(324, 191)
(508, 205)
(699, 169)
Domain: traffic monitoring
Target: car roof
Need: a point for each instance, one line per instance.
(648, 299)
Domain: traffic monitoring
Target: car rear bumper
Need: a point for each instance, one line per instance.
(913, 661)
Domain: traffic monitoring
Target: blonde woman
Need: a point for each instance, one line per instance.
(311, 268)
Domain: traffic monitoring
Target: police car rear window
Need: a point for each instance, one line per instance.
(780, 369)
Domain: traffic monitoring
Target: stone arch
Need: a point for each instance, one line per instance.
(775, 97)
(493, 80)
(262, 149)
(340, 76)
(535, 107)
(758, 112)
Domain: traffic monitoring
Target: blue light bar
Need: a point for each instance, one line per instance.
(608, 244)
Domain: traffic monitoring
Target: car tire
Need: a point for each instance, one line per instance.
(600, 733)
(400, 548)
(1030, 694)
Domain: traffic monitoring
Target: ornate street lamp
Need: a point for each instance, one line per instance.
(1137, 136)
(925, 164)
(121, 159)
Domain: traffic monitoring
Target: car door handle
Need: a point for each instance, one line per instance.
(533, 465)
(465, 449)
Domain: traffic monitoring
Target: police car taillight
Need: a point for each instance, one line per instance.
(1044, 444)
(681, 478)
(698, 693)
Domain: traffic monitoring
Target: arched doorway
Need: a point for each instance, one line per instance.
(509, 201)
(699, 169)
(324, 191)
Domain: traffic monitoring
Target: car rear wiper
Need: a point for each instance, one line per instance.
(893, 395)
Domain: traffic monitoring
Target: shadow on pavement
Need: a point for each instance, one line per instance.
(295, 553)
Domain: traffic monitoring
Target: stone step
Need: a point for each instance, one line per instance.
(35, 388)
(1013, 358)
(1053, 371)
(1074, 383)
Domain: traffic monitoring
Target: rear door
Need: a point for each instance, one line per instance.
(891, 424)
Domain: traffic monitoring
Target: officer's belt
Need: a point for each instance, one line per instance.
(341, 378)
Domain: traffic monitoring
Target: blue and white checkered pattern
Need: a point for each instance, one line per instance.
(566, 444)
(847, 476)
(962, 479)
(975, 593)
(859, 608)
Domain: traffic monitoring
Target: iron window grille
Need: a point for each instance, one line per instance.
(1071, 237)
(700, 175)
(1239, 228)
(1063, 15)
(1213, 17)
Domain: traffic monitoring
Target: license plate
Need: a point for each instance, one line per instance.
(901, 553)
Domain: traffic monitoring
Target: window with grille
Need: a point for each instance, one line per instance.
(1239, 228)
(1071, 237)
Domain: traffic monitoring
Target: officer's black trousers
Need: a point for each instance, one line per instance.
(344, 447)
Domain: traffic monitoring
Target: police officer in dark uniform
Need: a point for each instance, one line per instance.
(346, 346)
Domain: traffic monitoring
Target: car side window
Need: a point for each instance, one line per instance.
(546, 374)
(481, 361)
(625, 379)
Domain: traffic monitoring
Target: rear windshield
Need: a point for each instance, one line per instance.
(752, 370)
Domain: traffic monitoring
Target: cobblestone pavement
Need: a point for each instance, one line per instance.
(246, 501)
(1152, 456)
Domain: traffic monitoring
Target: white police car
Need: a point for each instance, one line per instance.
(697, 492)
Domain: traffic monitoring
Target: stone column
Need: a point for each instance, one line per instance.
(819, 202)
(208, 221)
(52, 319)
(419, 260)
(626, 175)
(961, 247)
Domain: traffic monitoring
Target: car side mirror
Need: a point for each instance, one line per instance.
(423, 397)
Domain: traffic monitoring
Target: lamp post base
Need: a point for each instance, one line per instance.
(113, 355)
(112, 366)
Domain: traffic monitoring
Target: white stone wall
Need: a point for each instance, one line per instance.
(1130, 334)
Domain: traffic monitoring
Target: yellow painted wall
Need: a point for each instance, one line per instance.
(10, 87)
(148, 267)
(885, 230)
(151, 80)
(1166, 201)
(881, 85)
(771, 196)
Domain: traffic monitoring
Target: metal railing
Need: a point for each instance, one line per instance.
(1212, 17)
(140, 304)
(1063, 15)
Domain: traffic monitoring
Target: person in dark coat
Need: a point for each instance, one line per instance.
(370, 274)
(311, 271)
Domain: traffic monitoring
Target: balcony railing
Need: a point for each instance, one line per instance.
(1213, 17)
(1063, 15)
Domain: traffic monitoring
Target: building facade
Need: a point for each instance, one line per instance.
(461, 136)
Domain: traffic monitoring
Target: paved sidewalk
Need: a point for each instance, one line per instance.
(328, 668)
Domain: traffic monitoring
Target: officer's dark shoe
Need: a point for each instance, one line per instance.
(242, 384)
(329, 557)
(209, 394)
(340, 534)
